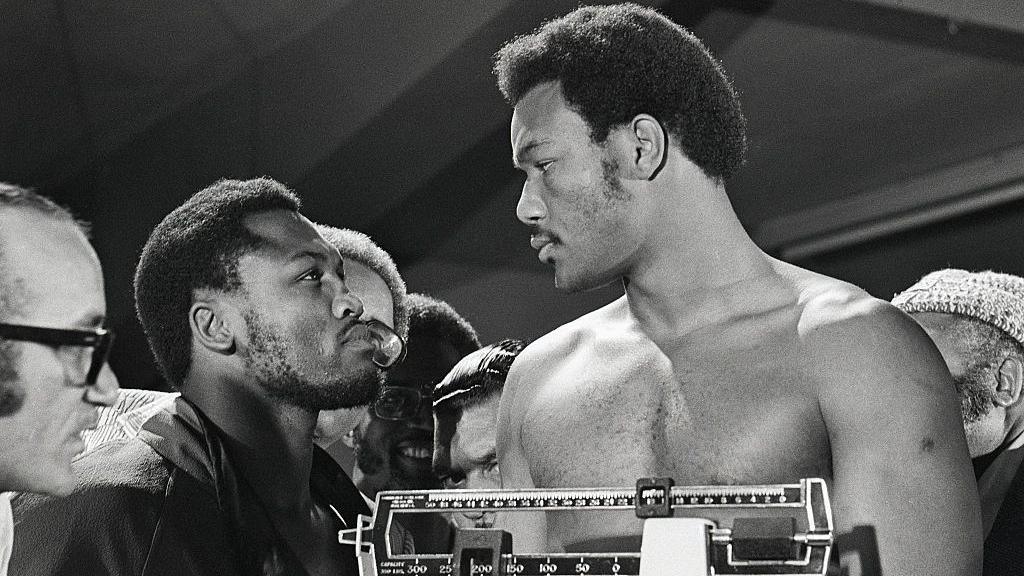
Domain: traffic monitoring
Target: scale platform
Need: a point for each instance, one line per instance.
(773, 529)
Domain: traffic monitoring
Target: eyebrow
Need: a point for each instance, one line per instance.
(90, 319)
(307, 254)
(526, 149)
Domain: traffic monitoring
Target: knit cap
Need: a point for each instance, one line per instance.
(991, 297)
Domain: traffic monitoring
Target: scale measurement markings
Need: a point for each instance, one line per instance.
(603, 565)
(553, 500)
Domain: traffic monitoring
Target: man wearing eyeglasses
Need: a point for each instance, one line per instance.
(394, 442)
(52, 347)
(248, 314)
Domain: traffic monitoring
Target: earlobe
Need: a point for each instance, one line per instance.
(651, 146)
(209, 328)
(1009, 381)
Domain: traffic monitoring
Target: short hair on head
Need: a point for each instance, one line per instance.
(197, 246)
(357, 246)
(21, 198)
(14, 196)
(476, 377)
(987, 343)
(436, 319)
(614, 62)
(985, 346)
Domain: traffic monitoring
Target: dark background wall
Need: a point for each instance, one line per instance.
(886, 138)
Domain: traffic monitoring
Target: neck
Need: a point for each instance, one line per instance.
(698, 265)
(270, 442)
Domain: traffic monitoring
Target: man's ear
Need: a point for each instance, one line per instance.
(1008, 381)
(650, 146)
(206, 319)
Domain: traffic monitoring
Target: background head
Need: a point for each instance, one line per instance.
(394, 442)
(615, 62)
(50, 277)
(359, 248)
(197, 247)
(372, 275)
(976, 320)
(466, 416)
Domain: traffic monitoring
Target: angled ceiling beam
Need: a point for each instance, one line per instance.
(937, 196)
(1008, 15)
(907, 21)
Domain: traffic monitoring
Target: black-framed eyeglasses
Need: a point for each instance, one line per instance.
(390, 348)
(399, 402)
(99, 340)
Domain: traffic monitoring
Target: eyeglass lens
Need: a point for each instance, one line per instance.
(100, 355)
(397, 403)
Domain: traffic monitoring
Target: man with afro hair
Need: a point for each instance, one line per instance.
(719, 364)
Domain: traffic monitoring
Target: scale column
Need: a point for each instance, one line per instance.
(675, 547)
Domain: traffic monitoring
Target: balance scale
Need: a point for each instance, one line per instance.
(772, 529)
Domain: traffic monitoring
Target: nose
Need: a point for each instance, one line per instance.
(530, 209)
(104, 391)
(346, 303)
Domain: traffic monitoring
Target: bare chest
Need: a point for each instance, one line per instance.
(598, 422)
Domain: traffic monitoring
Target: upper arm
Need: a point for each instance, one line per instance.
(528, 529)
(901, 473)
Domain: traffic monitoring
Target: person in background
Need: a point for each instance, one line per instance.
(53, 348)
(394, 442)
(372, 275)
(248, 315)
(466, 419)
(977, 321)
(719, 364)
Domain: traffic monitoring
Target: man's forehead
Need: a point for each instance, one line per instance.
(540, 116)
(287, 233)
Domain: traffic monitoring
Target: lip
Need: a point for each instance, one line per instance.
(539, 241)
(356, 332)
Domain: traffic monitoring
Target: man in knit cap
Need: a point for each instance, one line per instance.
(977, 321)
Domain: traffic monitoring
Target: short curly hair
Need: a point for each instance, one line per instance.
(196, 247)
(433, 319)
(614, 62)
(359, 247)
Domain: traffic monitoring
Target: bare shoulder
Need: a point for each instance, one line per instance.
(864, 347)
(569, 340)
(845, 326)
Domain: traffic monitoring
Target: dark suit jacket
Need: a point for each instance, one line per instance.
(166, 503)
(1004, 546)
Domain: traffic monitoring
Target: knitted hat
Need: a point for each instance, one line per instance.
(991, 297)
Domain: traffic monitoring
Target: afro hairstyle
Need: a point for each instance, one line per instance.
(615, 62)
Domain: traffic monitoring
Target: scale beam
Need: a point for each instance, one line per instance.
(775, 529)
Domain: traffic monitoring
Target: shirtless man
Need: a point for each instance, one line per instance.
(720, 364)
